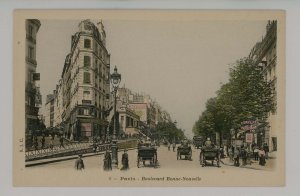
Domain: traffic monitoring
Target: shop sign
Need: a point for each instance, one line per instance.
(249, 138)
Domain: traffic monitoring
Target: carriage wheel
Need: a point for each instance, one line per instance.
(201, 159)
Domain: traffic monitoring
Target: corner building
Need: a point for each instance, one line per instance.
(86, 83)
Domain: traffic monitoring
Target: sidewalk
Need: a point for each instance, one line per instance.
(269, 166)
(65, 158)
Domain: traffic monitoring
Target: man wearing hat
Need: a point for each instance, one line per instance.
(208, 143)
(107, 161)
(79, 165)
(125, 160)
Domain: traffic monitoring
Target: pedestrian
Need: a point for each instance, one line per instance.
(266, 149)
(51, 144)
(107, 161)
(36, 144)
(225, 150)
(236, 157)
(208, 143)
(255, 151)
(243, 155)
(43, 141)
(253, 145)
(262, 157)
(174, 146)
(94, 147)
(125, 161)
(222, 155)
(230, 153)
(169, 146)
(61, 140)
(79, 165)
(52, 135)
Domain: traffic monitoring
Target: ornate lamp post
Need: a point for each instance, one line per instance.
(115, 81)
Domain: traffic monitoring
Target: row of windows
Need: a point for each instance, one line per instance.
(87, 97)
(88, 45)
(130, 122)
(90, 112)
(87, 80)
(87, 62)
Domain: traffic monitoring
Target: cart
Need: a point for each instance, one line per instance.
(209, 154)
(147, 153)
(185, 151)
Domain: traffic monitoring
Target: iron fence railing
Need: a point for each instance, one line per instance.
(56, 150)
(72, 149)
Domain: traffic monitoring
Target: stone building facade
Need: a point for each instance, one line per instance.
(54, 108)
(264, 54)
(32, 93)
(82, 96)
(129, 121)
(149, 111)
(49, 111)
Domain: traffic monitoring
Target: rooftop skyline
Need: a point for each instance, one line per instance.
(180, 64)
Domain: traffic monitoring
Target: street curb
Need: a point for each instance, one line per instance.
(41, 162)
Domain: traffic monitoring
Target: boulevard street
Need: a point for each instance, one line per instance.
(169, 172)
(166, 160)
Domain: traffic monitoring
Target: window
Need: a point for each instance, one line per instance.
(87, 61)
(80, 111)
(86, 95)
(86, 78)
(30, 52)
(86, 111)
(87, 43)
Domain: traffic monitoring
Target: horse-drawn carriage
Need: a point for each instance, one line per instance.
(209, 154)
(197, 141)
(147, 153)
(185, 151)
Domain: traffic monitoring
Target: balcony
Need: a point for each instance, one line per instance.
(88, 102)
(31, 61)
(30, 88)
(31, 110)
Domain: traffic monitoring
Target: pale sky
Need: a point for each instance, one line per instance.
(180, 64)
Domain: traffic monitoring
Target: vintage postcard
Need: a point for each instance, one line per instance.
(139, 98)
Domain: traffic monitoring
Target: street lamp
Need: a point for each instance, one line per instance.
(115, 81)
